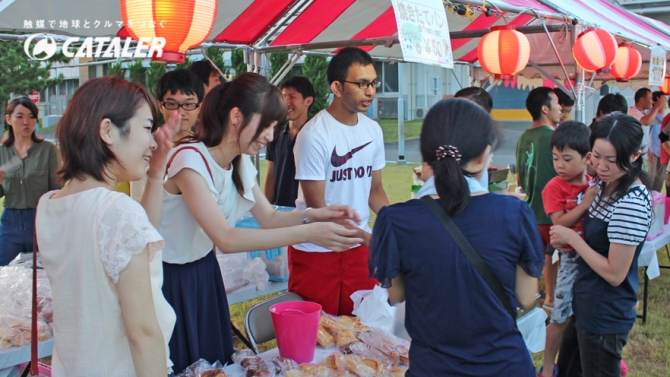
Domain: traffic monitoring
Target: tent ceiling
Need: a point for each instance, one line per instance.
(247, 21)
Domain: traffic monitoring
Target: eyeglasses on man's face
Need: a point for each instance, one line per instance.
(366, 84)
(175, 106)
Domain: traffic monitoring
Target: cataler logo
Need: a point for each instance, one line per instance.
(46, 46)
(105, 47)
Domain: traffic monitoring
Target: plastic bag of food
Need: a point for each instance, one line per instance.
(253, 365)
(282, 364)
(342, 330)
(396, 349)
(202, 368)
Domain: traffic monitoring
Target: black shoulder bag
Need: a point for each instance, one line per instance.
(469, 251)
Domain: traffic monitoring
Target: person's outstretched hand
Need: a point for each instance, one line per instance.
(163, 138)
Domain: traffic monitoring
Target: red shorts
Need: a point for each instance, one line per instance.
(330, 278)
(544, 233)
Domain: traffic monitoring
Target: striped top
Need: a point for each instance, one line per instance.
(628, 219)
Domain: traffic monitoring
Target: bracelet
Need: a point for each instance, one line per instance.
(305, 219)
(157, 180)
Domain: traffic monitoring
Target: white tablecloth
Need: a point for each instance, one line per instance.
(648, 257)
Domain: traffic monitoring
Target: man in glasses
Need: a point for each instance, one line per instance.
(178, 90)
(339, 155)
(182, 91)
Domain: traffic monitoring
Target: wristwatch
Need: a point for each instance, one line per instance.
(305, 219)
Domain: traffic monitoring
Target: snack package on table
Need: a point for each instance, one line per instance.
(16, 305)
(202, 368)
(363, 350)
(253, 365)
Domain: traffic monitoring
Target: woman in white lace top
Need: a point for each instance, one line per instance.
(99, 248)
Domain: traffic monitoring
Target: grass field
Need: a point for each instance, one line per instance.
(390, 129)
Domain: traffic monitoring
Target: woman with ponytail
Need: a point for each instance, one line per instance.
(458, 326)
(211, 183)
(605, 291)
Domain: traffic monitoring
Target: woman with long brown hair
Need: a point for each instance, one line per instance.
(211, 184)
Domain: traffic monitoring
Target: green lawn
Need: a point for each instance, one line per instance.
(390, 129)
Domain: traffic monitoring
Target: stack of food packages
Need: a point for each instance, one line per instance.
(358, 351)
(16, 306)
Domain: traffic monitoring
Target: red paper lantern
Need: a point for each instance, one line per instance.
(503, 52)
(666, 86)
(595, 50)
(183, 23)
(627, 63)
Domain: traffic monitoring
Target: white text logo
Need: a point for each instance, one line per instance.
(97, 47)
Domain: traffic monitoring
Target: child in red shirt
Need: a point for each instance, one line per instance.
(571, 152)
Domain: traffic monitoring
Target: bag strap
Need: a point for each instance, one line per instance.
(34, 368)
(194, 149)
(469, 251)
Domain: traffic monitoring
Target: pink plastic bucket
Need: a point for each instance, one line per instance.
(296, 324)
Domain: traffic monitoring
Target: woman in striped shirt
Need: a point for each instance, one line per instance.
(605, 291)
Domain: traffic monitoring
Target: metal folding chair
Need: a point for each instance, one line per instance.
(258, 321)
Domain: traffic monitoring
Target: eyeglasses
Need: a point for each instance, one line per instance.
(364, 85)
(175, 106)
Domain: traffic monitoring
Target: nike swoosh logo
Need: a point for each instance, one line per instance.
(337, 160)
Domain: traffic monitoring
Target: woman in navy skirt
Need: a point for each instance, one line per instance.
(211, 184)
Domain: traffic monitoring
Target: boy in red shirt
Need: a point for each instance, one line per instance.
(571, 152)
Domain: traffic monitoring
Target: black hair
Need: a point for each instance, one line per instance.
(537, 98)
(611, 103)
(338, 68)
(252, 94)
(9, 110)
(641, 93)
(203, 69)
(477, 95)
(624, 133)
(656, 95)
(180, 80)
(301, 85)
(465, 125)
(573, 135)
(564, 99)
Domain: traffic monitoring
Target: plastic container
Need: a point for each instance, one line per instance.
(277, 265)
(44, 370)
(296, 324)
(657, 214)
(249, 222)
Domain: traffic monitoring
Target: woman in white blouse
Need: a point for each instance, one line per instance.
(211, 184)
(99, 248)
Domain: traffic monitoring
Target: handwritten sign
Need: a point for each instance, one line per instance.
(657, 66)
(423, 32)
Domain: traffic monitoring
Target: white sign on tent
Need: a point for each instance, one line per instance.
(657, 66)
(423, 32)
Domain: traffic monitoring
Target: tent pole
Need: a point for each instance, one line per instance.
(401, 117)
(283, 22)
(560, 60)
(550, 77)
(579, 81)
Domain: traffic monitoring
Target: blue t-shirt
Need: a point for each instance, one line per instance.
(457, 324)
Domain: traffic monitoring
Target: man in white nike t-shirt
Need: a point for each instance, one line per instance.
(339, 155)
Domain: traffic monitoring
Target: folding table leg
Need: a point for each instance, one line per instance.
(645, 298)
(667, 251)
